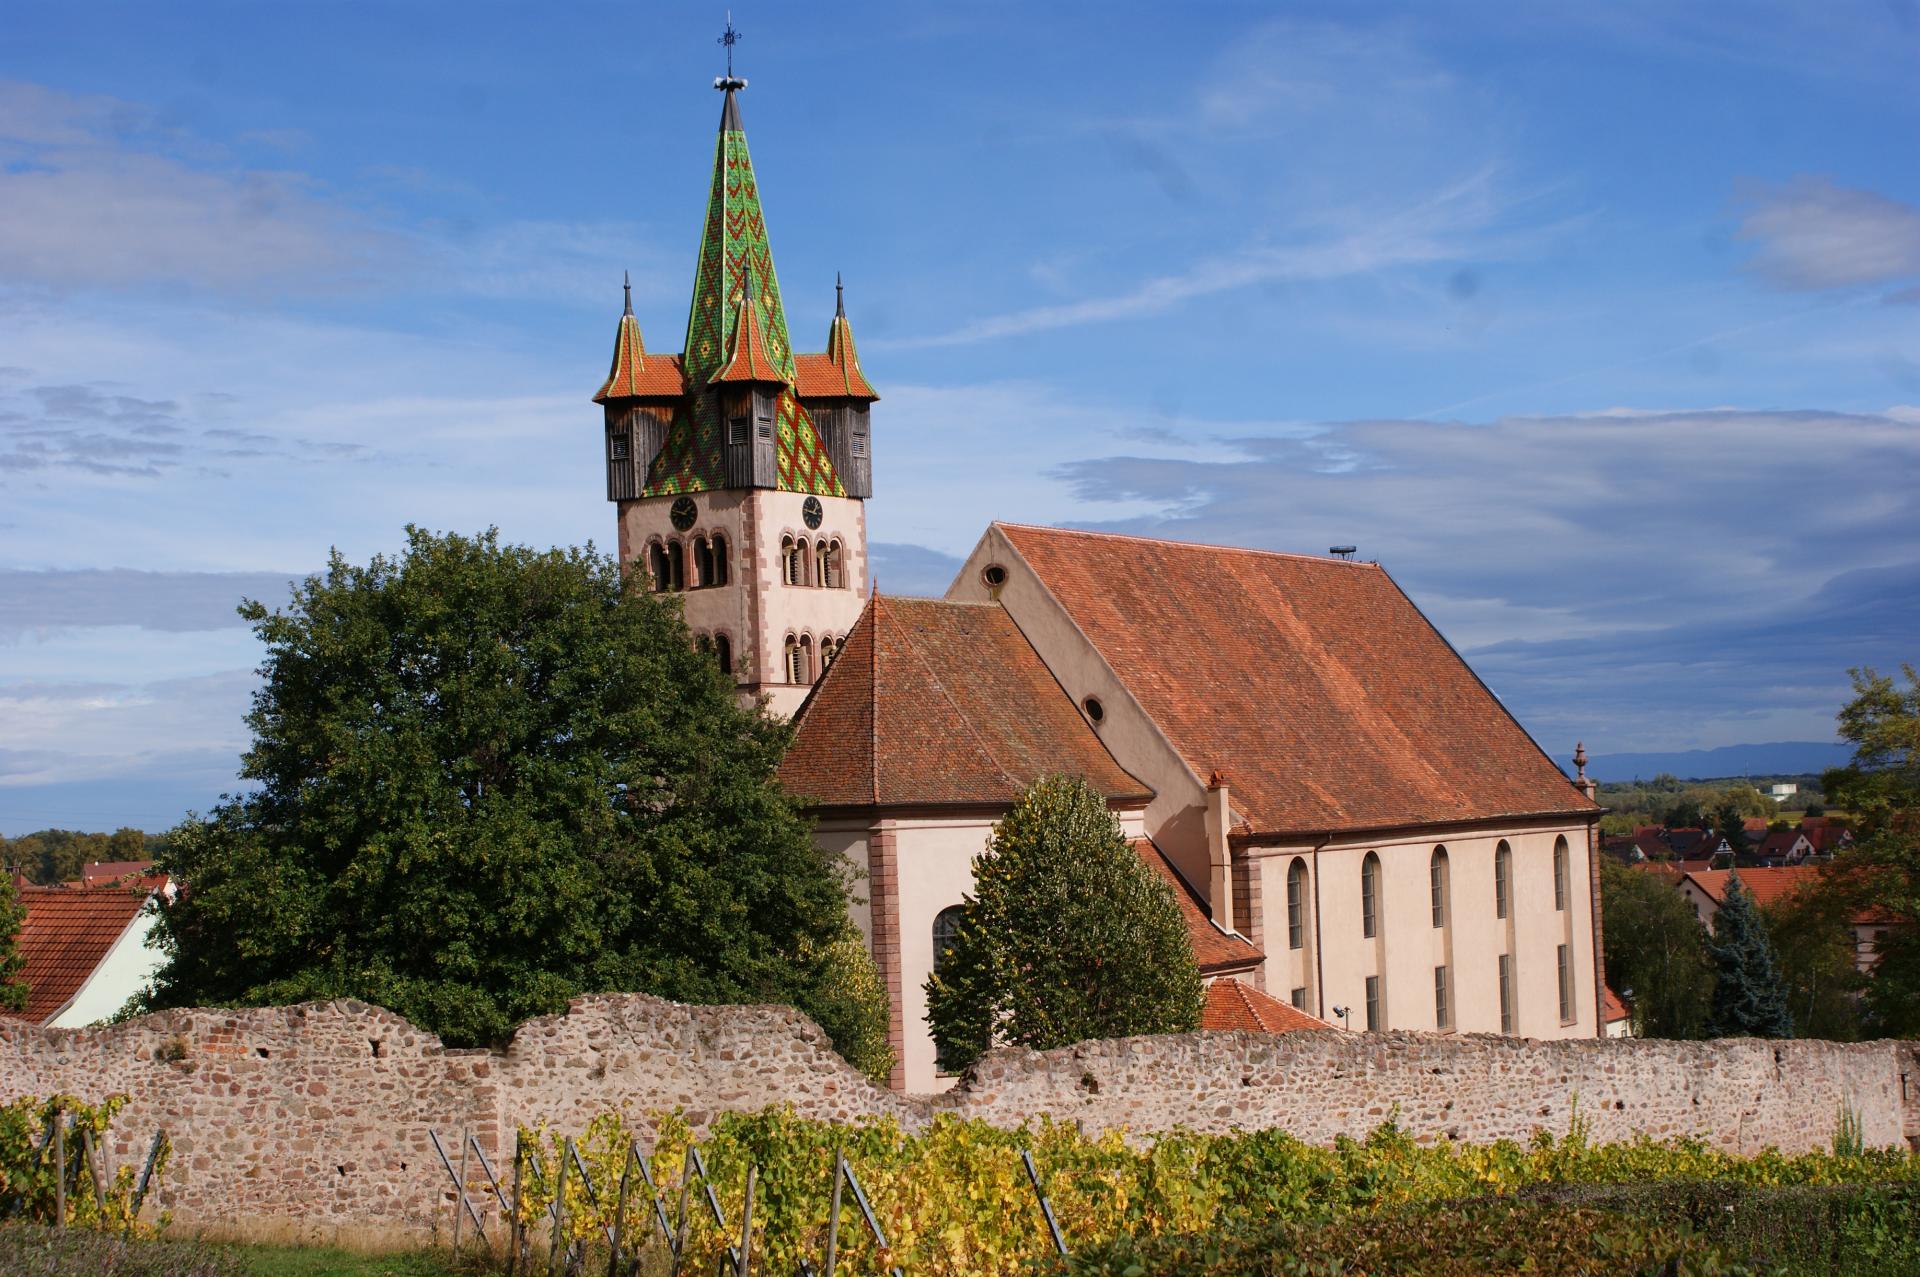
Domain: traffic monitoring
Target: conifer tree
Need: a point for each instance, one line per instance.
(1069, 936)
(13, 913)
(1749, 998)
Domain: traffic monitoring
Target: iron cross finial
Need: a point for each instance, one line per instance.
(729, 38)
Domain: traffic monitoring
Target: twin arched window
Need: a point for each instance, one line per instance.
(667, 565)
(720, 646)
(816, 563)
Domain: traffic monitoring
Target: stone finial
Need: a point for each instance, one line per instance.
(1580, 759)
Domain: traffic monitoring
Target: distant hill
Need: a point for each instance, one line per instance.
(1780, 758)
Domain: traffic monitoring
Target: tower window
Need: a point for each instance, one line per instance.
(789, 561)
(676, 566)
(859, 443)
(738, 431)
(703, 561)
(796, 661)
(831, 575)
(657, 567)
(723, 652)
(720, 566)
(620, 446)
(763, 425)
(807, 666)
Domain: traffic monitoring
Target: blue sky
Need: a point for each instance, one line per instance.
(1598, 325)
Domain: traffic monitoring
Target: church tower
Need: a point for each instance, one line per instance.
(738, 468)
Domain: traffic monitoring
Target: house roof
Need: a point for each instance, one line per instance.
(67, 933)
(1233, 1005)
(1612, 1009)
(1770, 886)
(931, 702)
(101, 871)
(1315, 683)
(1214, 951)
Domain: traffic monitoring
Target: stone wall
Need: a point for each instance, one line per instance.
(312, 1120)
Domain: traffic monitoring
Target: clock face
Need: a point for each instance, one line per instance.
(812, 512)
(683, 513)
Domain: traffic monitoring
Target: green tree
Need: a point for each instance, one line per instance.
(489, 779)
(1749, 999)
(1068, 936)
(1881, 786)
(1655, 950)
(1812, 936)
(13, 913)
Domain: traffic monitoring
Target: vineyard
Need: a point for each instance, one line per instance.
(773, 1193)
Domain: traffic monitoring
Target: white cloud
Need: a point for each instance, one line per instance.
(1812, 233)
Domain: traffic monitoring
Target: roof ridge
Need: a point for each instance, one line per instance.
(1193, 545)
(966, 720)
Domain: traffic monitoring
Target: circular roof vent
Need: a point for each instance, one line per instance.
(1095, 710)
(994, 575)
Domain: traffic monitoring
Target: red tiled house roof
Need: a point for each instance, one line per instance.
(1772, 886)
(1612, 1009)
(67, 932)
(1214, 951)
(1316, 683)
(933, 703)
(1233, 1005)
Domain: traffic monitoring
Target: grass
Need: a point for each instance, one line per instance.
(28, 1250)
(327, 1261)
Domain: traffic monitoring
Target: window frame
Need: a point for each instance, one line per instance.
(1370, 897)
(1297, 904)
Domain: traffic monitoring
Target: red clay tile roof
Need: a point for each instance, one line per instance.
(636, 374)
(104, 871)
(932, 702)
(1771, 886)
(748, 360)
(1612, 1009)
(1316, 684)
(1232, 1005)
(67, 933)
(1214, 950)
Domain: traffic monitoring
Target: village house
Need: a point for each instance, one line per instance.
(1357, 830)
(1706, 891)
(85, 946)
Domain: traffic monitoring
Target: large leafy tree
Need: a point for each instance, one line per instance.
(1749, 999)
(1068, 936)
(1881, 786)
(490, 778)
(13, 912)
(1812, 936)
(1656, 951)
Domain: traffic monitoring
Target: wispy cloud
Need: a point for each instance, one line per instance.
(1812, 233)
(179, 602)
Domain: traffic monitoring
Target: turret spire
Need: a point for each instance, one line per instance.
(626, 286)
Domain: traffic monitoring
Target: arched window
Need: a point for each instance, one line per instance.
(1502, 880)
(830, 565)
(1560, 873)
(1370, 896)
(676, 567)
(719, 561)
(807, 667)
(723, 652)
(1297, 904)
(946, 930)
(789, 561)
(796, 670)
(702, 562)
(806, 569)
(829, 648)
(1437, 881)
(657, 566)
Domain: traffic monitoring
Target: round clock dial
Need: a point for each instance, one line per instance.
(812, 512)
(683, 513)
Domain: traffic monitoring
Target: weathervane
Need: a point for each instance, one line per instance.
(729, 38)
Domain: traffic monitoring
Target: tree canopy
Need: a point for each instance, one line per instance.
(13, 912)
(1068, 936)
(488, 778)
(1749, 998)
(1655, 951)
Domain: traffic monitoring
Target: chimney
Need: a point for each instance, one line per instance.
(1219, 856)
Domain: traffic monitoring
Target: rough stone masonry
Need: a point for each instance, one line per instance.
(312, 1120)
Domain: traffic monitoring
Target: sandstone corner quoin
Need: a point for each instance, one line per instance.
(313, 1119)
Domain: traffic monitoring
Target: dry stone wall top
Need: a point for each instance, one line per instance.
(313, 1120)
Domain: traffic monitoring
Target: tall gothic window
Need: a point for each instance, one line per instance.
(946, 929)
(1502, 879)
(1437, 881)
(1506, 993)
(1560, 873)
(1370, 896)
(1297, 904)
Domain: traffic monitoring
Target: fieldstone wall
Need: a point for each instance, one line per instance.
(312, 1120)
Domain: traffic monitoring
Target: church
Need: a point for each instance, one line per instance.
(1358, 832)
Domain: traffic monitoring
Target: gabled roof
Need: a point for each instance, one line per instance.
(1233, 1005)
(67, 933)
(747, 358)
(1612, 1009)
(1766, 886)
(1214, 951)
(940, 703)
(1315, 683)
